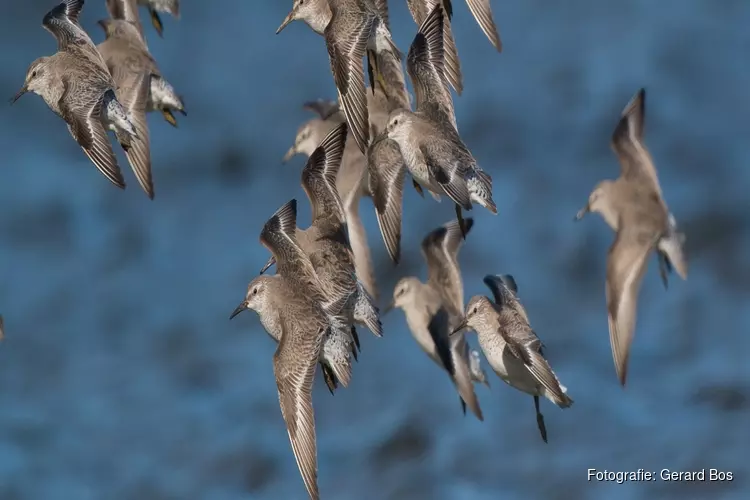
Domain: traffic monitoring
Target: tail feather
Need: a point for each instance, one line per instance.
(454, 186)
(366, 312)
(337, 354)
(480, 187)
(118, 117)
(673, 246)
(543, 373)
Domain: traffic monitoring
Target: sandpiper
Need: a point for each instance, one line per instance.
(429, 142)
(481, 11)
(76, 85)
(125, 51)
(633, 206)
(434, 308)
(294, 300)
(511, 347)
(326, 240)
(351, 28)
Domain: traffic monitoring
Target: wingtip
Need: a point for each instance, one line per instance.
(632, 118)
(510, 282)
(284, 219)
(622, 374)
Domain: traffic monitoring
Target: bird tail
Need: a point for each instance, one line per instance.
(543, 373)
(336, 353)
(672, 244)
(366, 312)
(480, 189)
(119, 118)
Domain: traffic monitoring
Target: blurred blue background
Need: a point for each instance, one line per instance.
(121, 376)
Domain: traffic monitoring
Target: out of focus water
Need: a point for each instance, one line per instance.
(121, 377)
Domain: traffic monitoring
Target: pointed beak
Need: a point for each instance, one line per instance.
(582, 212)
(238, 309)
(461, 327)
(18, 95)
(388, 308)
(103, 24)
(289, 18)
(270, 262)
(289, 154)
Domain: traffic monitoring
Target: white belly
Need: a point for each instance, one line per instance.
(508, 367)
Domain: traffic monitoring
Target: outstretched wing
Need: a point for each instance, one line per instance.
(279, 237)
(319, 176)
(62, 22)
(626, 265)
(627, 142)
(347, 42)
(440, 249)
(386, 170)
(85, 124)
(133, 93)
(483, 14)
(425, 65)
(294, 366)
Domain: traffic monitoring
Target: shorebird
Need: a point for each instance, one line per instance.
(511, 347)
(326, 242)
(350, 28)
(126, 47)
(294, 300)
(155, 6)
(633, 206)
(77, 86)
(337, 345)
(385, 164)
(481, 11)
(429, 142)
(351, 180)
(132, 78)
(434, 308)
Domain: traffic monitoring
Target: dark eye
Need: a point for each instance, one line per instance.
(255, 291)
(474, 311)
(33, 74)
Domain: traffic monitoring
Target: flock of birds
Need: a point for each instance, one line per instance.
(363, 145)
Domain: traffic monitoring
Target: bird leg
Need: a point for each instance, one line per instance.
(540, 420)
(156, 21)
(329, 377)
(371, 70)
(665, 268)
(355, 337)
(354, 345)
(418, 188)
(461, 221)
(169, 117)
